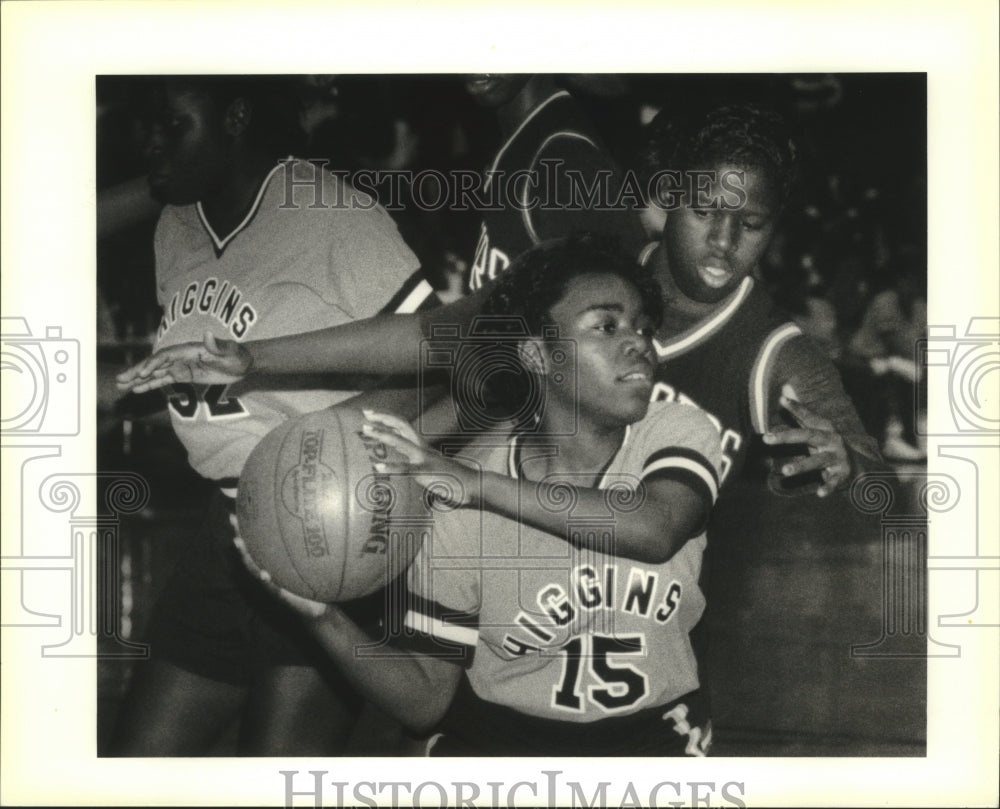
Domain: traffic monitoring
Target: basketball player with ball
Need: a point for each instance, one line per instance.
(532, 627)
(237, 259)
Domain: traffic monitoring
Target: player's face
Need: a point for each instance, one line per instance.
(494, 89)
(601, 317)
(187, 147)
(711, 250)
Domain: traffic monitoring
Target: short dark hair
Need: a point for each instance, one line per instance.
(521, 302)
(537, 279)
(274, 126)
(743, 135)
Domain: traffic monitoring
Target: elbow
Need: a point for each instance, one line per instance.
(657, 545)
(658, 537)
(423, 715)
(423, 705)
(662, 553)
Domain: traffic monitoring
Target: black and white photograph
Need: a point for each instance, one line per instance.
(619, 413)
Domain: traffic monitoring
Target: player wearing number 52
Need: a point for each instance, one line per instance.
(236, 258)
(549, 613)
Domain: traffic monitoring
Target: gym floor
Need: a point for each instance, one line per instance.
(795, 584)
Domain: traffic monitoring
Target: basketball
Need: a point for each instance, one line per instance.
(318, 518)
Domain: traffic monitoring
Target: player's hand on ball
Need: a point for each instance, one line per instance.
(452, 482)
(304, 606)
(212, 362)
(827, 451)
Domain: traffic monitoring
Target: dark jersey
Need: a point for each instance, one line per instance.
(552, 177)
(723, 367)
(735, 365)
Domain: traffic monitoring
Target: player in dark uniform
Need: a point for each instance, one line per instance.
(550, 161)
(233, 260)
(724, 345)
(555, 637)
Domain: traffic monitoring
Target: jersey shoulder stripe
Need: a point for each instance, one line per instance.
(761, 372)
(684, 464)
(526, 206)
(440, 631)
(524, 124)
(415, 294)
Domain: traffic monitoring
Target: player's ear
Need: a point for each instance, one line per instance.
(654, 219)
(238, 116)
(531, 356)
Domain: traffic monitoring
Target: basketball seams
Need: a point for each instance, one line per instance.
(312, 524)
(347, 511)
(278, 482)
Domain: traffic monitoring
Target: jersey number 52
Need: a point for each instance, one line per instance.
(186, 399)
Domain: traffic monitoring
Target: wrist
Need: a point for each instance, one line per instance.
(250, 361)
(330, 617)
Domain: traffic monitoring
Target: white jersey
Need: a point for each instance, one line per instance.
(306, 256)
(556, 631)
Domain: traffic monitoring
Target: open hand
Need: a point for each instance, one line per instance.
(827, 450)
(212, 362)
(448, 479)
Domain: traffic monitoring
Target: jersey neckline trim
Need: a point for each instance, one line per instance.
(220, 244)
(534, 113)
(704, 329)
(514, 457)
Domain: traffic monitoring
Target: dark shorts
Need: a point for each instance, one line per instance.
(216, 620)
(474, 727)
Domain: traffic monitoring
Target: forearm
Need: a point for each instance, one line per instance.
(383, 345)
(414, 689)
(653, 532)
(125, 205)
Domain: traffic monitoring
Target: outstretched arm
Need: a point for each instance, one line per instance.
(650, 529)
(383, 345)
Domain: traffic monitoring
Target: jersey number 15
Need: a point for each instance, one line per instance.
(620, 686)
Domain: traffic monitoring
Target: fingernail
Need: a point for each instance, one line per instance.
(366, 428)
(366, 411)
(786, 470)
(380, 467)
(768, 438)
(265, 576)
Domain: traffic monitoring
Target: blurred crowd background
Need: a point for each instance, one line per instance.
(848, 262)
